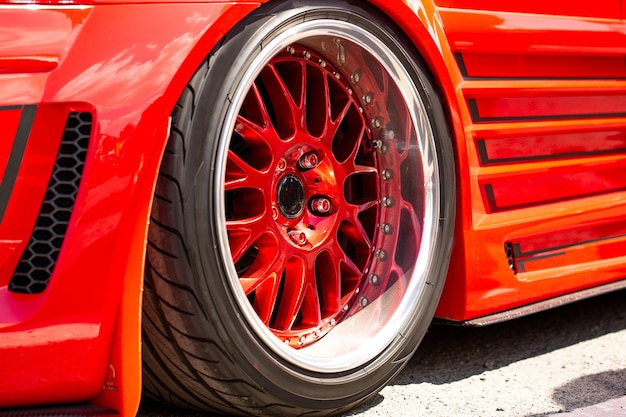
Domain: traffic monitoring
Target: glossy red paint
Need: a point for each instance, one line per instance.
(529, 101)
(536, 106)
(56, 346)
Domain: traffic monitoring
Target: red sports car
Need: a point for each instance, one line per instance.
(259, 207)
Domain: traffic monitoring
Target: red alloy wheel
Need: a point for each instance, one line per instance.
(304, 194)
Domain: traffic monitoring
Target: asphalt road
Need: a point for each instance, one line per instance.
(569, 361)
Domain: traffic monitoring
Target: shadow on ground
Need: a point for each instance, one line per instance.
(449, 353)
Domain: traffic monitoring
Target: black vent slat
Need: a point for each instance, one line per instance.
(36, 266)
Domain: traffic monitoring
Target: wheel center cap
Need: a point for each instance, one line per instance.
(290, 196)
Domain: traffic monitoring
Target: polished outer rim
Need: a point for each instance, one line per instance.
(324, 359)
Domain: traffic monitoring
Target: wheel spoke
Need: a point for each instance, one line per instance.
(266, 294)
(240, 174)
(295, 285)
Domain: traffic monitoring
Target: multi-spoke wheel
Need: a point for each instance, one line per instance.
(302, 222)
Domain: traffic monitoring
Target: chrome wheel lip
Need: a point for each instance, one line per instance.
(326, 356)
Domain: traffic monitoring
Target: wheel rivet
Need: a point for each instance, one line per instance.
(363, 301)
(274, 213)
(387, 201)
(349, 91)
(356, 76)
(307, 55)
(377, 143)
(322, 64)
(377, 122)
(291, 50)
(332, 322)
(386, 228)
(282, 164)
(381, 254)
(387, 174)
(302, 340)
(308, 160)
(368, 98)
(374, 280)
(321, 205)
(387, 134)
(318, 333)
(298, 237)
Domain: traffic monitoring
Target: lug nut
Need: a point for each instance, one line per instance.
(308, 160)
(298, 237)
(320, 205)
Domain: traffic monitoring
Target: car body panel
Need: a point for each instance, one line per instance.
(64, 335)
(536, 100)
(543, 115)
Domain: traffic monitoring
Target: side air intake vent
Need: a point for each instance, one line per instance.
(510, 256)
(35, 268)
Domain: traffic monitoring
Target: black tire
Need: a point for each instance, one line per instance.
(295, 257)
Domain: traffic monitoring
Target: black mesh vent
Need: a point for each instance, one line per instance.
(35, 268)
(510, 256)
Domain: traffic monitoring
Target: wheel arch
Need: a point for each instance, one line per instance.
(122, 387)
(418, 20)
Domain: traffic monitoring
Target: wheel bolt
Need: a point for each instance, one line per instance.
(308, 160)
(320, 205)
(298, 237)
(387, 174)
(374, 280)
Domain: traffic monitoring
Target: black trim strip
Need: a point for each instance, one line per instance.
(484, 158)
(460, 61)
(14, 107)
(517, 250)
(477, 118)
(17, 154)
(493, 205)
(491, 198)
(541, 305)
(522, 262)
(473, 109)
